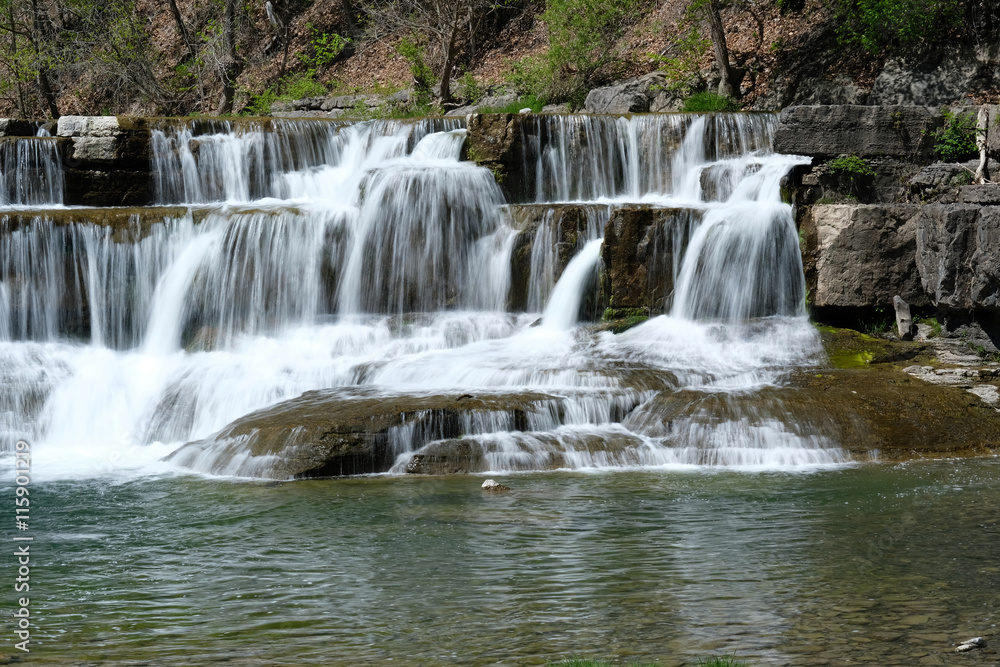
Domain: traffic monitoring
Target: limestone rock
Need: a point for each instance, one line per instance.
(958, 255)
(984, 195)
(568, 224)
(830, 131)
(495, 486)
(943, 79)
(840, 90)
(640, 244)
(632, 96)
(970, 644)
(557, 108)
(347, 432)
(904, 323)
(89, 126)
(862, 255)
(495, 141)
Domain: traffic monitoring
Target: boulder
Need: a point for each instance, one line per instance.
(983, 195)
(632, 96)
(829, 131)
(861, 255)
(640, 246)
(349, 431)
(904, 322)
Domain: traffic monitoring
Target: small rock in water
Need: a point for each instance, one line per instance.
(969, 644)
(525, 110)
(493, 485)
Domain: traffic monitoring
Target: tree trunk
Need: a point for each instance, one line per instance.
(230, 64)
(727, 86)
(352, 26)
(449, 61)
(42, 75)
(182, 30)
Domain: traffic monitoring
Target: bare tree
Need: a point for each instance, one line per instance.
(450, 25)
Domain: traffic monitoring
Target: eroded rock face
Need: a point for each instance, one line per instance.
(958, 255)
(862, 255)
(496, 141)
(347, 432)
(642, 251)
(904, 132)
(943, 79)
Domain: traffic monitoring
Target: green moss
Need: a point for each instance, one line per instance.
(707, 102)
(846, 348)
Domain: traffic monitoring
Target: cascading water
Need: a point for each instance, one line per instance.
(311, 254)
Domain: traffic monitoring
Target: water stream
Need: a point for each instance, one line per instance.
(310, 255)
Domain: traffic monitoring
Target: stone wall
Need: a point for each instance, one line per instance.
(917, 230)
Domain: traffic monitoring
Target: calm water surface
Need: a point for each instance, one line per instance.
(871, 564)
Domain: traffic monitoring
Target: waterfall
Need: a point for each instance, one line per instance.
(370, 259)
(31, 171)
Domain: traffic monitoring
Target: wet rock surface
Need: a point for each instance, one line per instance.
(348, 432)
(642, 247)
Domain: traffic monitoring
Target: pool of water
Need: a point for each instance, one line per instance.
(869, 564)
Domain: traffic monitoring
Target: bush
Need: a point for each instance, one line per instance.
(852, 167)
(583, 38)
(423, 75)
(705, 102)
(878, 25)
(956, 141)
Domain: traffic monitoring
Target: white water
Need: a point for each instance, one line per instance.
(323, 255)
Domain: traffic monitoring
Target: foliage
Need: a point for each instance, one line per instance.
(583, 35)
(876, 26)
(293, 87)
(956, 141)
(707, 101)
(531, 75)
(325, 48)
(936, 328)
(470, 88)
(682, 70)
(423, 76)
(532, 102)
(852, 167)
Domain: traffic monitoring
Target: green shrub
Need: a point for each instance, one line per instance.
(852, 167)
(956, 141)
(530, 75)
(326, 46)
(880, 25)
(470, 88)
(423, 75)
(682, 70)
(583, 40)
(707, 101)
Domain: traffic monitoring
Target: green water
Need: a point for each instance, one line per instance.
(875, 564)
